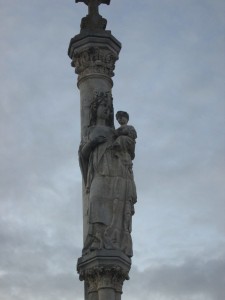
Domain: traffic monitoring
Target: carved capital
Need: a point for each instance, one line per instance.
(94, 60)
(104, 270)
(104, 277)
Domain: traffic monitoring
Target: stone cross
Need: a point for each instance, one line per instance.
(93, 5)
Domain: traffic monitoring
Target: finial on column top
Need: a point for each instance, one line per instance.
(93, 5)
(93, 20)
(99, 1)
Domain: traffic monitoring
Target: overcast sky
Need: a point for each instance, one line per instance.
(170, 78)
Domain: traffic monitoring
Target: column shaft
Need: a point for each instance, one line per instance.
(106, 294)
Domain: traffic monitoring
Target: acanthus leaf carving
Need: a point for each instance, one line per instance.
(94, 60)
(103, 277)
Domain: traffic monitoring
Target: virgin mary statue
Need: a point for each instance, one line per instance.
(108, 178)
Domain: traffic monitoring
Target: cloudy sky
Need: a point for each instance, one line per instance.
(170, 78)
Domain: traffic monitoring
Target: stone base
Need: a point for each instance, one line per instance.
(104, 272)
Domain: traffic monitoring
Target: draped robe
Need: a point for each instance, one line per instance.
(111, 192)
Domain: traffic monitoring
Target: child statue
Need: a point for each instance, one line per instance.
(126, 135)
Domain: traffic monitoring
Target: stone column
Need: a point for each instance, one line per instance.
(93, 53)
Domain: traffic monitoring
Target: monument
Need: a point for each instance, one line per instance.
(105, 157)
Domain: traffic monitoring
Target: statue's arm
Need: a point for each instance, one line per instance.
(132, 132)
(122, 131)
(85, 150)
(89, 146)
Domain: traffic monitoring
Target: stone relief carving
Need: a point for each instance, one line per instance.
(103, 277)
(94, 60)
(105, 156)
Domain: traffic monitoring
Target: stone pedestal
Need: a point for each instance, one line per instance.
(104, 272)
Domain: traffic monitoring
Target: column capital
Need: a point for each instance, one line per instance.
(104, 269)
(94, 54)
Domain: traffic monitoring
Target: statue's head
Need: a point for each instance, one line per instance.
(102, 107)
(122, 117)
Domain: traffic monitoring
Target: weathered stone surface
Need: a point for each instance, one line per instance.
(105, 156)
(104, 273)
(93, 57)
(106, 165)
(94, 53)
(93, 20)
(94, 76)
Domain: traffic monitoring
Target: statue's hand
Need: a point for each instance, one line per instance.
(122, 131)
(99, 140)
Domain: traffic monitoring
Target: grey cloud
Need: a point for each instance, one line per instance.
(194, 279)
(38, 261)
(170, 76)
